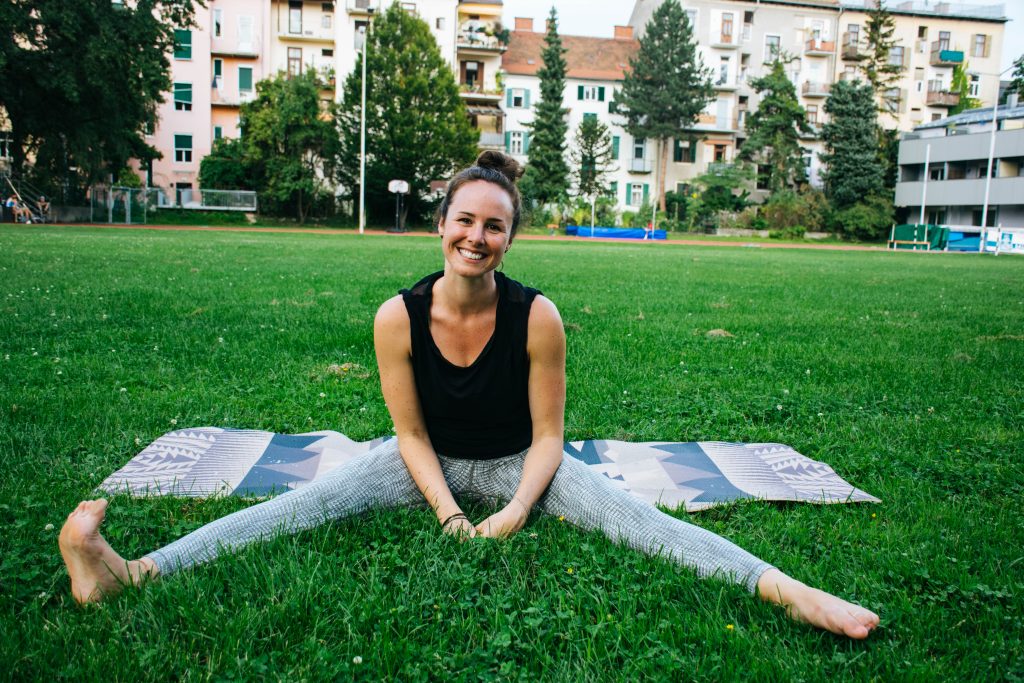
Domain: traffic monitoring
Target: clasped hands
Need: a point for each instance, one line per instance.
(501, 524)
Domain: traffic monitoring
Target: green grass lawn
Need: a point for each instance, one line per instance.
(903, 371)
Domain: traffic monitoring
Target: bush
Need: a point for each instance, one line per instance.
(785, 211)
(868, 220)
(793, 232)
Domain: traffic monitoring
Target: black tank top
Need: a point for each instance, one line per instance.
(482, 411)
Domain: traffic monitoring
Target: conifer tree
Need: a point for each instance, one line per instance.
(417, 128)
(591, 156)
(850, 136)
(547, 173)
(773, 141)
(1017, 82)
(878, 42)
(961, 85)
(666, 87)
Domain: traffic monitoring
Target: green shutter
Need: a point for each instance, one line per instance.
(218, 67)
(628, 185)
(508, 142)
(526, 98)
(614, 187)
(615, 147)
(600, 94)
(508, 97)
(526, 142)
(579, 92)
(645, 193)
(183, 92)
(182, 43)
(693, 151)
(590, 117)
(677, 151)
(245, 78)
(182, 142)
(218, 132)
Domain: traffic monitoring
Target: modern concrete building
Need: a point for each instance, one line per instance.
(944, 167)
(594, 73)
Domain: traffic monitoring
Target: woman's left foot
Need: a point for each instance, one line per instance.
(816, 607)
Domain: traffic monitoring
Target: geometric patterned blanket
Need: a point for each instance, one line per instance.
(209, 461)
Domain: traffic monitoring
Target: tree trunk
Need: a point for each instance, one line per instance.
(663, 163)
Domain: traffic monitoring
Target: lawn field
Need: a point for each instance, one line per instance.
(904, 371)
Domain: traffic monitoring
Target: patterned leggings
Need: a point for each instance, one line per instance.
(379, 479)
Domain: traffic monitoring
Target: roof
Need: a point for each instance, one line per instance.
(598, 59)
(930, 8)
(980, 115)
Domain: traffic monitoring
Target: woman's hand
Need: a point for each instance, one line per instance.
(504, 522)
(460, 527)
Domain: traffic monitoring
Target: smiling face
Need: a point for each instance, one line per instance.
(477, 230)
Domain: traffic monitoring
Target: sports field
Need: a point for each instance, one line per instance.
(904, 371)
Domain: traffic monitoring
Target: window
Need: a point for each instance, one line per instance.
(518, 98)
(590, 117)
(439, 23)
(6, 139)
(980, 46)
(772, 46)
(183, 149)
(691, 14)
(613, 188)
(182, 43)
(727, 28)
(943, 40)
(245, 79)
(812, 113)
(326, 20)
(218, 21)
(723, 71)
(975, 85)
(684, 152)
(639, 148)
(936, 116)
(891, 99)
(590, 92)
(515, 145)
(218, 72)
(807, 157)
(409, 7)
(183, 97)
(616, 140)
(637, 195)
(218, 132)
(896, 54)
(763, 176)
(294, 61)
(472, 73)
(295, 16)
(922, 32)
(245, 34)
(327, 52)
(720, 153)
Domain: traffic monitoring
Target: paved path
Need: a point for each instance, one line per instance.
(551, 238)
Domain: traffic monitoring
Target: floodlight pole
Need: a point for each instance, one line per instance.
(362, 138)
(988, 175)
(924, 185)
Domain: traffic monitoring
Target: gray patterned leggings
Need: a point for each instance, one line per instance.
(379, 479)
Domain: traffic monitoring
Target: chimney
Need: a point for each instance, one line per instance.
(524, 24)
(623, 33)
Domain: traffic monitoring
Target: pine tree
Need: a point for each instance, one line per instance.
(591, 156)
(417, 128)
(1017, 82)
(961, 85)
(774, 131)
(547, 173)
(850, 136)
(878, 42)
(666, 87)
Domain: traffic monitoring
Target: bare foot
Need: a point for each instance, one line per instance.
(816, 607)
(96, 571)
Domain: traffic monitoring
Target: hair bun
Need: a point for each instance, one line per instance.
(502, 163)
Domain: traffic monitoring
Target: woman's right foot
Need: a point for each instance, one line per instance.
(96, 570)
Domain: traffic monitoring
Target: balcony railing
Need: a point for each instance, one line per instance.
(222, 47)
(726, 41)
(816, 47)
(362, 6)
(477, 39)
(492, 140)
(941, 98)
(309, 31)
(812, 89)
(639, 165)
(851, 46)
(943, 56)
(725, 83)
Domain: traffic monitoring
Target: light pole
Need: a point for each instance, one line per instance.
(362, 131)
(991, 154)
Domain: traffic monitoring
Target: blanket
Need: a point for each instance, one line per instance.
(210, 461)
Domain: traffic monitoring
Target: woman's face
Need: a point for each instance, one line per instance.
(477, 231)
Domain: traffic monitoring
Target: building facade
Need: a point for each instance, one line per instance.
(944, 168)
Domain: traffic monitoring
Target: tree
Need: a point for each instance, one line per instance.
(850, 136)
(547, 173)
(417, 128)
(961, 85)
(225, 167)
(666, 87)
(80, 81)
(591, 155)
(1017, 78)
(290, 142)
(879, 40)
(774, 131)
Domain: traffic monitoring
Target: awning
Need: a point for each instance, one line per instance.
(484, 109)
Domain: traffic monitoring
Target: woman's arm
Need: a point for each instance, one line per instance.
(546, 348)
(394, 360)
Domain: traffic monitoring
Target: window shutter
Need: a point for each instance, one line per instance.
(526, 142)
(218, 132)
(628, 186)
(615, 147)
(614, 188)
(245, 78)
(508, 142)
(526, 98)
(600, 94)
(182, 43)
(183, 92)
(508, 97)
(579, 92)
(183, 142)
(645, 192)
(590, 117)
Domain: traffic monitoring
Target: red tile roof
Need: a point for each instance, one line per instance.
(605, 59)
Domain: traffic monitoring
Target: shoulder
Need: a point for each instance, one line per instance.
(546, 334)
(392, 320)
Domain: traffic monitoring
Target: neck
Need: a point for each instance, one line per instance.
(466, 295)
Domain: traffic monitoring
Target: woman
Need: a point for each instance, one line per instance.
(472, 368)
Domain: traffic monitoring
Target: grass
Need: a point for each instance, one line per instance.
(900, 370)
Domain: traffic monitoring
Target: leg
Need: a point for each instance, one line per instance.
(376, 479)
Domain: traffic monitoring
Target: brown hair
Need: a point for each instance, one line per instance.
(494, 167)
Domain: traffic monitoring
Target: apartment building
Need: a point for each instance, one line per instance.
(944, 167)
(595, 68)
(932, 38)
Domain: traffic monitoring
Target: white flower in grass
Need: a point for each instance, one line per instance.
(7, 356)
(807, 371)
(48, 527)
(220, 340)
(174, 420)
(785, 391)
(60, 372)
(35, 353)
(138, 441)
(778, 407)
(323, 395)
(123, 390)
(357, 660)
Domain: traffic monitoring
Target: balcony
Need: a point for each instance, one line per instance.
(640, 165)
(816, 47)
(220, 98)
(712, 123)
(936, 97)
(480, 37)
(724, 41)
(478, 93)
(851, 77)
(362, 6)
(725, 84)
(222, 47)
(851, 47)
(815, 90)
(492, 141)
(812, 133)
(943, 56)
(310, 32)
